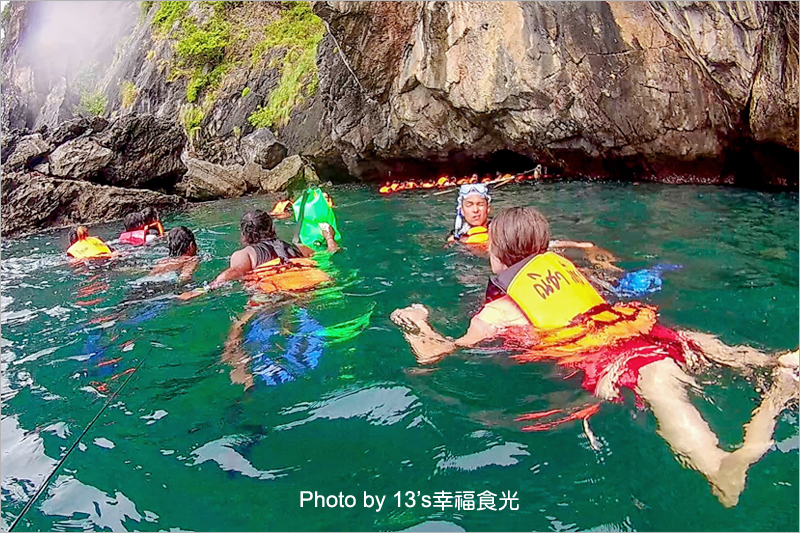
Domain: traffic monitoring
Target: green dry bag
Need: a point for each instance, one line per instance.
(317, 211)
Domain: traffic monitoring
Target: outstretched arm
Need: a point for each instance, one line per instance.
(429, 346)
(240, 265)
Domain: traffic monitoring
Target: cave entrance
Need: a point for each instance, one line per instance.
(457, 165)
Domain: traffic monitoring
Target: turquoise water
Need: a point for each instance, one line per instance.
(182, 447)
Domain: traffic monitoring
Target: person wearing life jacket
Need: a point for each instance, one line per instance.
(83, 246)
(473, 208)
(550, 311)
(284, 208)
(142, 227)
(183, 256)
(266, 262)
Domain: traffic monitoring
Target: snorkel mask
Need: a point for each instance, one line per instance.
(480, 189)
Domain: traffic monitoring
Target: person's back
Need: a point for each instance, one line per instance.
(268, 263)
(84, 246)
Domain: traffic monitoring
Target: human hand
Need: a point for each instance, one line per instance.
(409, 317)
(327, 231)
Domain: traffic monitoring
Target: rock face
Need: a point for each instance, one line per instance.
(291, 172)
(33, 202)
(79, 159)
(209, 181)
(654, 90)
(668, 91)
(147, 152)
(27, 152)
(263, 148)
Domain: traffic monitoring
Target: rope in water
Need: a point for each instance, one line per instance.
(75, 445)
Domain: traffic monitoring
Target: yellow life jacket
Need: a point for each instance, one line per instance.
(280, 207)
(550, 290)
(295, 275)
(89, 247)
(476, 235)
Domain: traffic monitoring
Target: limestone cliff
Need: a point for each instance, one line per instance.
(672, 91)
(669, 91)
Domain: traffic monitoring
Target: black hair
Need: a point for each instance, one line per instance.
(133, 221)
(73, 236)
(256, 226)
(149, 215)
(179, 240)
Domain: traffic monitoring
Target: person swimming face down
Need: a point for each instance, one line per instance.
(181, 242)
(472, 208)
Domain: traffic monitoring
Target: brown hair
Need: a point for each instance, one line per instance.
(518, 233)
(81, 232)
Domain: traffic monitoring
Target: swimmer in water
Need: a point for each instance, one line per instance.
(183, 256)
(84, 246)
(549, 310)
(263, 245)
(272, 268)
(473, 208)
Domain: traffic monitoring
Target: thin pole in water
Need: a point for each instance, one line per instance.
(74, 445)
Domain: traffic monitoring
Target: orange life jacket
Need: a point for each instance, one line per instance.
(90, 247)
(291, 275)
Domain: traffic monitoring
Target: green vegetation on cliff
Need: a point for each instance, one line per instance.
(93, 104)
(129, 93)
(168, 12)
(298, 31)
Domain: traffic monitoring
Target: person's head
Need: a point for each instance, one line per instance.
(149, 215)
(133, 221)
(474, 199)
(256, 226)
(180, 241)
(81, 232)
(73, 236)
(515, 234)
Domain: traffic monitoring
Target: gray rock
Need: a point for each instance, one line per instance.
(58, 106)
(42, 168)
(33, 202)
(147, 151)
(645, 86)
(209, 181)
(263, 148)
(29, 151)
(282, 176)
(79, 159)
(252, 173)
(66, 131)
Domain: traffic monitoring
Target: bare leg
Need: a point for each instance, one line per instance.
(663, 386)
(235, 355)
(742, 357)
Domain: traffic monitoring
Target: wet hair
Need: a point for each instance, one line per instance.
(73, 236)
(517, 233)
(149, 215)
(179, 241)
(256, 226)
(133, 221)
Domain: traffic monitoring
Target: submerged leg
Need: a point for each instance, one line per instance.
(743, 357)
(663, 386)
